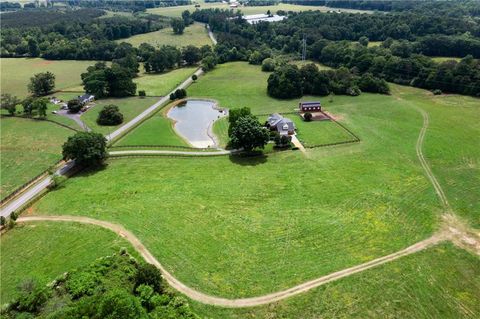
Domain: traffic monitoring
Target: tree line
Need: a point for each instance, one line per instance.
(341, 40)
(80, 37)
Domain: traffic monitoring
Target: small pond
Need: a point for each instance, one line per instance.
(194, 120)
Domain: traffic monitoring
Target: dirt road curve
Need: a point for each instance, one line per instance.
(243, 302)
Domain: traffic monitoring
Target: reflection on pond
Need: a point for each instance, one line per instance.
(194, 120)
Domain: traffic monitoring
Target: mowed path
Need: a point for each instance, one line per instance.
(452, 230)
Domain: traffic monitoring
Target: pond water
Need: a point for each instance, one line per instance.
(194, 121)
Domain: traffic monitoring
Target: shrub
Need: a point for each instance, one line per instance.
(13, 216)
(32, 296)
(142, 93)
(307, 117)
(437, 92)
(110, 115)
(57, 180)
(268, 65)
(148, 274)
(3, 220)
(172, 96)
(74, 106)
(194, 77)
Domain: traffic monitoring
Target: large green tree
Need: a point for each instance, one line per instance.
(248, 134)
(285, 83)
(42, 84)
(178, 25)
(110, 115)
(86, 148)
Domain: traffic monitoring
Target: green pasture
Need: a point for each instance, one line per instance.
(195, 34)
(28, 148)
(177, 10)
(46, 250)
(238, 227)
(441, 59)
(16, 73)
(316, 133)
(157, 130)
(162, 84)
(441, 282)
(129, 107)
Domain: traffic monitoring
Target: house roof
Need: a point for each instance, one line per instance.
(282, 124)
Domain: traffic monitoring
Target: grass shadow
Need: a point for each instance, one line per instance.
(249, 159)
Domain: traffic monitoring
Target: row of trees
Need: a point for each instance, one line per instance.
(288, 81)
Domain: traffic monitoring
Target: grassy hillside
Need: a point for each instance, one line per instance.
(16, 73)
(265, 224)
(195, 34)
(45, 250)
(162, 84)
(28, 147)
(442, 282)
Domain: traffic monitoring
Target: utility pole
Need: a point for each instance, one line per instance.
(304, 48)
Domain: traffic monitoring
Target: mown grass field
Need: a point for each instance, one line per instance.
(320, 132)
(45, 250)
(16, 73)
(194, 34)
(163, 84)
(441, 282)
(242, 227)
(129, 107)
(28, 148)
(157, 130)
(177, 11)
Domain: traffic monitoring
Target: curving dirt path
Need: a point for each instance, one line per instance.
(242, 302)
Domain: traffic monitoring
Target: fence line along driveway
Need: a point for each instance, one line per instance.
(30, 193)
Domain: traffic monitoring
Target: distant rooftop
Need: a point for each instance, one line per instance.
(255, 18)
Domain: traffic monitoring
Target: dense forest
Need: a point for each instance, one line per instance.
(70, 34)
(116, 286)
(341, 40)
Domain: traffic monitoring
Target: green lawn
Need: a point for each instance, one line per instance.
(163, 84)
(177, 10)
(157, 130)
(195, 34)
(441, 282)
(129, 107)
(320, 132)
(45, 250)
(220, 129)
(16, 73)
(28, 147)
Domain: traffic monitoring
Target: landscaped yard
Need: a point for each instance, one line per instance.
(195, 34)
(129, 107)
(16, 73)
(46, 250)
(28, 148)
(318, 133)
(163, 84)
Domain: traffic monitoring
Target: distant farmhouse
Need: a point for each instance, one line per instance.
(283, 125)
(86, 98)
(309, 107)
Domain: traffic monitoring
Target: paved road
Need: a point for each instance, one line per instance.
(24, 197)
(166, 152)
(74, 117)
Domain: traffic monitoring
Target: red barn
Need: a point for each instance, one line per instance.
(309, 106)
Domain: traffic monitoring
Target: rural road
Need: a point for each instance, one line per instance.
(211, 35)
(165, 152)
(241, 302)
(31, 192)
